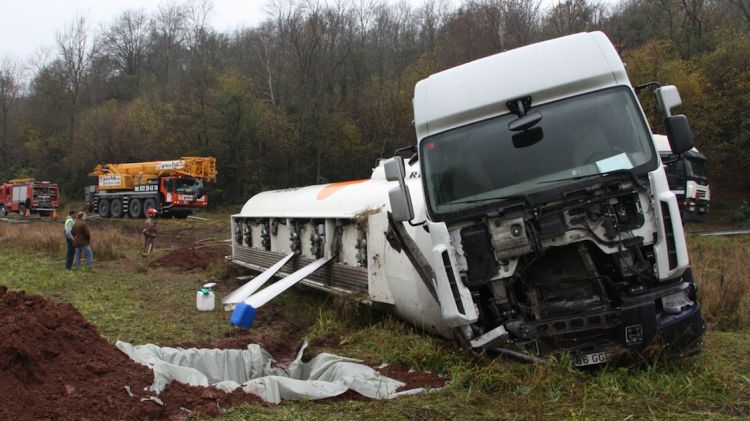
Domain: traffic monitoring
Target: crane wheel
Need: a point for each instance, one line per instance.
(104, 208)
(115, 208)
(149, 203)
(135, 210)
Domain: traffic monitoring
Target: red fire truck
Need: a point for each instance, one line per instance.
(44, 197)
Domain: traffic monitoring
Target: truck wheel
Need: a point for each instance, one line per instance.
(116, 208)
(3, 212)
(104, 208)
(149, 203)
(136, 208)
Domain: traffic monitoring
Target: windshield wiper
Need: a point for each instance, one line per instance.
(586, 176)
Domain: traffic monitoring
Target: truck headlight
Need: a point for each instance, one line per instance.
(675, 303)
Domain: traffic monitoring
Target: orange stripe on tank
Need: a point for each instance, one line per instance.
(333, 188)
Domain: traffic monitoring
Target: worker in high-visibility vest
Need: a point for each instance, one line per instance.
(69, 221)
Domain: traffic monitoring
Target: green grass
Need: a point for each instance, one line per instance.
(148, 306)
(135, 307)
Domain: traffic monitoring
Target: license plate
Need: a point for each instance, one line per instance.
(580, 360)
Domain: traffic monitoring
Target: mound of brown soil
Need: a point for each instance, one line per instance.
(55, 365)
(187, 258)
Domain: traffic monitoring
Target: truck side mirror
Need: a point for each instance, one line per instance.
(394, 169)
(679, 134)
(401, 206)
(668, 98)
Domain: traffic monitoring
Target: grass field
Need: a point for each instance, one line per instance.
(129, 300)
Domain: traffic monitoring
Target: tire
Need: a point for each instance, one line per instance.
(116, 208)
(136, 208)
(149, 203)
(3, 212)
(104, 208)
(22, 210)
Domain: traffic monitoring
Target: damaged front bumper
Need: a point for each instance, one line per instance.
(666, 322)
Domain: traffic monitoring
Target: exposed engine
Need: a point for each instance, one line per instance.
(549, 273)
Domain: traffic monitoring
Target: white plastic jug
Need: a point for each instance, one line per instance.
(205, 299)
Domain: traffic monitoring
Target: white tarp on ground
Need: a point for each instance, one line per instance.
(325, 376)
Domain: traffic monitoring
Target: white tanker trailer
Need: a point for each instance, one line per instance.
(535, 216)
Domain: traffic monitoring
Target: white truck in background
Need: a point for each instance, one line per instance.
(533, 218)
(687, 177)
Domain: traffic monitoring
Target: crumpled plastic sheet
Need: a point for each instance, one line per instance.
(251, 369)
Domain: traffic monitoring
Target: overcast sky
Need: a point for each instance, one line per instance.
(28, 25)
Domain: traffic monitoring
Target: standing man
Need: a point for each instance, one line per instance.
(82, 241)
(27, 206)
(69, 221)
(149, 231)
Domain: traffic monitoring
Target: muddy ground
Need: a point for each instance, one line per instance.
(56, 365)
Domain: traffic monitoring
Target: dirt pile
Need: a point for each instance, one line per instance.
(188, 258)
(55, 365)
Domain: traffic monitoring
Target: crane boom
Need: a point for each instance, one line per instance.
(203, 168)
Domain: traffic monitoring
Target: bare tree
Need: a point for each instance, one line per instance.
(263, 47)
(571, 16)
(10, 89)
(197, 14)
(76, 49)
(125, 43)
(168, 35)
(744, 7)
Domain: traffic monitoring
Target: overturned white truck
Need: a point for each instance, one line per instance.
(535, 216)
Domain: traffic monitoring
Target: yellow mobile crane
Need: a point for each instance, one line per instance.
(173, 188)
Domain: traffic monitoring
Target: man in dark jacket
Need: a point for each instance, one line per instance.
(27, 207)
(82, 241)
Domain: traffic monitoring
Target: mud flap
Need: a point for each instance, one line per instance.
(244, 313)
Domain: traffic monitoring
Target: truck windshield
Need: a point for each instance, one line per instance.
(187, 185)
(482, 163)
(695, 168)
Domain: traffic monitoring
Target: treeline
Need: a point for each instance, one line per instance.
(320, 90)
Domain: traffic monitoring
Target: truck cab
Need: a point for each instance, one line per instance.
(181, 194)
(687, 178)
(552, 223)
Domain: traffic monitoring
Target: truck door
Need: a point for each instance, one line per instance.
(168, 189)
(20, 193)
